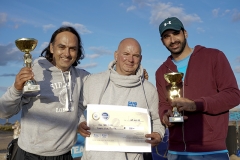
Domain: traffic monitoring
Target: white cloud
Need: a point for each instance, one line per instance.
(3, 18)
(81, 28)
(9, 53)
(162, 11)
(237, 69)
(48, 26)
(235, 13)
(100, 50)
(226, 12)
(238, 59)
(92, 56)
(8, 75)
(3, 88)
(143, 3)
(131, 8)
(236, 16)
(87, 66)
(21, 21)
(97, 52)
(44, 45)
(138, 3)
(16, 26)
(200, 30)
(215, 12)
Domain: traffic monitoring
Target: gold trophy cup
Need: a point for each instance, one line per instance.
(174, 78)
(27, 45)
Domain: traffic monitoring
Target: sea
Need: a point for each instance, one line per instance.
(234, 116)
(12, 120)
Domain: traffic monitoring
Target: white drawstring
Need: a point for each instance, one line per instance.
(70, 85)
(68, 89)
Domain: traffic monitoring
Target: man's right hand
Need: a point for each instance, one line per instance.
(23, 75)
(165, 119)
(83, 129)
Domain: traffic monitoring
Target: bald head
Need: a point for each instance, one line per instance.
(128, 56)
(129, 41)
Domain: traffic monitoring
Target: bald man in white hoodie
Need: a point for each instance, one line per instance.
(122, 84)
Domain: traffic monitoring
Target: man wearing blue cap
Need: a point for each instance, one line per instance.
(208, 90)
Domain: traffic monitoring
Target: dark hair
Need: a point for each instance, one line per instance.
(48, 55)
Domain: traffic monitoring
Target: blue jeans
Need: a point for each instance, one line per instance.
(218, 156)
(160, 152)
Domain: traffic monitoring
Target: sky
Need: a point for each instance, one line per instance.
(102, 24)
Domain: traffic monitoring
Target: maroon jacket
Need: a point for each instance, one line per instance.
(211, 84)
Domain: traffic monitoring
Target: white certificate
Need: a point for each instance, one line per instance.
(117, 128)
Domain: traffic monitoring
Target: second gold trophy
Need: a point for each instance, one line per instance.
(174, 78)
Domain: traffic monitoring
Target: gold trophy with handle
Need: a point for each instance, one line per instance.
(27, 45)
(174, 78)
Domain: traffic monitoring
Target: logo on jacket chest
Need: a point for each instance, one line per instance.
(64, 93)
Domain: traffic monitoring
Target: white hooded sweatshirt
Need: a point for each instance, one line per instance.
(110, 88)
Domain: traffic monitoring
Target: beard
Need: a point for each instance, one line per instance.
(180, 50)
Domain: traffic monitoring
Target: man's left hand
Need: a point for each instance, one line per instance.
(155, 138)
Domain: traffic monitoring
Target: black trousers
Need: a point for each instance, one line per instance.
(23, 155)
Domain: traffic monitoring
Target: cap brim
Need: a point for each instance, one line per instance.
(171, 28)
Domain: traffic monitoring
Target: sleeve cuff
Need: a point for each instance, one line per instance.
(200, 105)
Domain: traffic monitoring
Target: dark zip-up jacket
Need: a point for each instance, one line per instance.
(211, 84)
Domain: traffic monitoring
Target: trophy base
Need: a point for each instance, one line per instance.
(176, 119)
(31, 88)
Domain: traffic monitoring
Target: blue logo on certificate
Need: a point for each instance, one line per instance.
(132, 104)
(105, 115)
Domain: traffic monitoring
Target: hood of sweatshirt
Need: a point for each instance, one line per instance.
(172, 67)
(125, 81)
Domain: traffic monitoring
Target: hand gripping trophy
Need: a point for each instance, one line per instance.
(174, 78)
(27, 45)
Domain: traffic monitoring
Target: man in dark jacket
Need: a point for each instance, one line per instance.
(207, 91)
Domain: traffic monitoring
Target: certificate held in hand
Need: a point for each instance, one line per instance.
(117, 128)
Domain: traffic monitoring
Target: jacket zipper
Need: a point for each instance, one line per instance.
(185, 146)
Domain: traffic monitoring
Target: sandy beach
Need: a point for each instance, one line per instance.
(5, 139)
